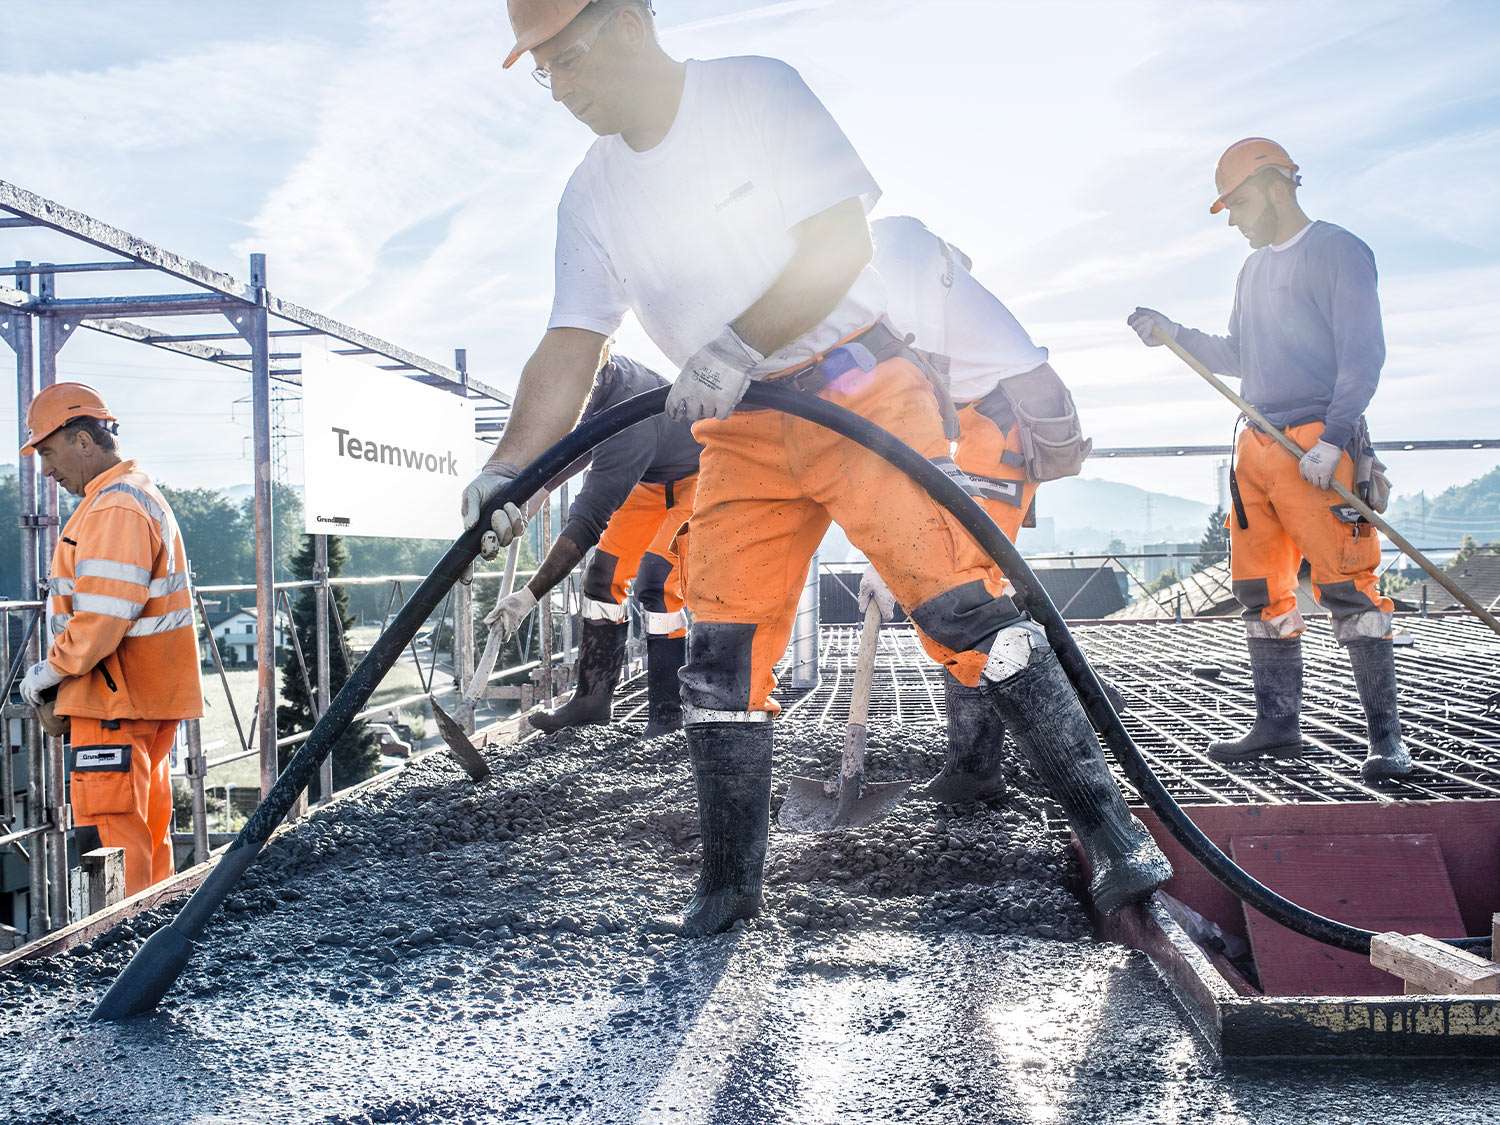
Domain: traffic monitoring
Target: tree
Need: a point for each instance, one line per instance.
(356, 755)
(1213, 548)
(1166, 578)
(215, 533)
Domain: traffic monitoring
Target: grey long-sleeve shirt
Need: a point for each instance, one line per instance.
(655, 450)
(1305, 335)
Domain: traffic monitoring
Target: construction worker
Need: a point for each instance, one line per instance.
(725, 207)
(1305, 339)
(635, 503)
(1016, 426)
(123, 661)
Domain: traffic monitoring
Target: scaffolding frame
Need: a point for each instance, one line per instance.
(247, 320)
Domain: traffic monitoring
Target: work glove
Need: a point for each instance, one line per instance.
(1147, 321)
(507, 523)
(871, 585)
(1319, 464)
(510, 611)
(39, 677)
(714, 379)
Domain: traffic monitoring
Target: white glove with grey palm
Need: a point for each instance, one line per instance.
(507, 523)
(713, 380)
(510, 611)
(1320, 463)
(871, 585)
(1147, 322)
(39, 677)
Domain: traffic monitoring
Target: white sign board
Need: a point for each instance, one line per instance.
(382, 455)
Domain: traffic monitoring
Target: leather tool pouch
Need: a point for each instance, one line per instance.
(1371, 484)
(102, 782)
(1052, 438)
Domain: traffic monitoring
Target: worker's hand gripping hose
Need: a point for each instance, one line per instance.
(164, 955)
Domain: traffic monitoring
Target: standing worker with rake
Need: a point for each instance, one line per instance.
(1306, 341)
(725, 207)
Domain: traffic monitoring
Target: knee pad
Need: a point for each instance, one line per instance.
(1013, 648)
(651, 583)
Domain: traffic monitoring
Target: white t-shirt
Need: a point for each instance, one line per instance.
(931, 294)
(691, 233)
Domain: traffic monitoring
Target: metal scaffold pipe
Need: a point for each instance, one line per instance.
(158, 963)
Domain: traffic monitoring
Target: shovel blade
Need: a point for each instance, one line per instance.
(814, 806)
(458, 744)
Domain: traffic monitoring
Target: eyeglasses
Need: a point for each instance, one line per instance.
(567, 61)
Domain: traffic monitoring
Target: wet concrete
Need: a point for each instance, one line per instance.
(436, 951)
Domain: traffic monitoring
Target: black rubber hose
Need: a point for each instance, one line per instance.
(162, 958)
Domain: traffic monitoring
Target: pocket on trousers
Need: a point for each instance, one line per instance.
(1360, 551)
(102, 783)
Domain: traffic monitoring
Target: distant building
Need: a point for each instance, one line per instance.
(1176, 557)
(235, 632)
(1206, 593)
(1478, 576)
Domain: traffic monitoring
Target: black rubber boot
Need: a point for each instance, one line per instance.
(1042, 713)
(732, 766)
(601, 652)
(976, 736)
(1276, 668)
(664, 660)
(1374, 663)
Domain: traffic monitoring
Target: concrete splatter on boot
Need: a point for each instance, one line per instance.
(664, 659)
(1374, 663)
(601, 653)
(1028, 687)
(1276, 668)
(976, 737)
(732, 768)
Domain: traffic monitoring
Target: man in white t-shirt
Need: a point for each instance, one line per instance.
(724, 207)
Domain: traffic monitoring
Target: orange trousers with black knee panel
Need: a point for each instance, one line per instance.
(769, 484)
(122, 786)
(644, 540)
(1288, 520)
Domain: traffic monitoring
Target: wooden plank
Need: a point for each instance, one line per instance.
(1381, 881)
(1430, 968)
(105, 871)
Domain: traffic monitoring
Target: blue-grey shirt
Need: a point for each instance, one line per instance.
(656, 450)
(1305, 335)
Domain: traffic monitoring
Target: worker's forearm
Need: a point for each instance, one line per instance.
(559, 563)
(832, 251)
(1220, 354)
(87, 640)
(553, 389)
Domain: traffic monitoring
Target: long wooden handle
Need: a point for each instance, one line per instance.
(864, 673)
(1346, 495)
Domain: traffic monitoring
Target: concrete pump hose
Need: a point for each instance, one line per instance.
(164, 955)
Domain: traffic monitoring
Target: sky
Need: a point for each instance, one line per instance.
(399, 180)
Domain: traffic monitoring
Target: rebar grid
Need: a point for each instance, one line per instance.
(1188, 683)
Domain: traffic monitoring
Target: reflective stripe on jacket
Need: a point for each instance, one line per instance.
(120, 609)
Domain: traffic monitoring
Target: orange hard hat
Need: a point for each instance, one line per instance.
(536, 21)
(56, 406)
(1242, 160)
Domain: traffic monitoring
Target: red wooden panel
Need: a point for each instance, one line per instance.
(1469, 832)
(1384, 881)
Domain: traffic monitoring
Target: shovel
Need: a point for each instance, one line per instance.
(465, 752)
(848, 800)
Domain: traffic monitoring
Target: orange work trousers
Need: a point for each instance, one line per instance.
(122, 786)
(770, 484)
(991, 459)
(644, 540)
(1288, 520)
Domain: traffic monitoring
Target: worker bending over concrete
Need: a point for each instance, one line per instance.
(725, 207)
(1015, 426)
(1305, 339)
(635, 503)
(123, 661)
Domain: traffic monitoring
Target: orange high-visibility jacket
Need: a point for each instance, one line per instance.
(121, 612)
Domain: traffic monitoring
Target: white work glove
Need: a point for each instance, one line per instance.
(39, 677)
(510, 611)
(1319, 464)
(1147, 321)
(871, 585)
(508, 523)
(714, 379)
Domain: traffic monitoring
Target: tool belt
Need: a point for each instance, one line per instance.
(1371, 482)
(1040, 405)
(867, 351)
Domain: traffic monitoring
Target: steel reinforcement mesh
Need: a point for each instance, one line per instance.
(1188, 683)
